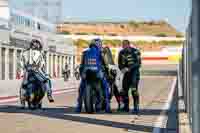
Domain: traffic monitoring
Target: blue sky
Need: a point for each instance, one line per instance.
(176, 12)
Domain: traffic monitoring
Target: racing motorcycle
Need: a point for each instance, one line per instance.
(92, 92)
(32, 93)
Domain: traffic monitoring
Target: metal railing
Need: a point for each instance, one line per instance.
(189, 69)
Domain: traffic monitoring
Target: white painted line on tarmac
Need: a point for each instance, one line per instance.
(64, 91)
(162, 118)
(15, 99)
(9, 100)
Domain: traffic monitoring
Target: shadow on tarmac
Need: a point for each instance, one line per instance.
(159, 72)
(67, 113)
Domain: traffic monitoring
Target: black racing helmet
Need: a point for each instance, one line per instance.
(125, 43)
(36, 44)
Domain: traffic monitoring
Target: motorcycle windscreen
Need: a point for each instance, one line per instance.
(107, 55)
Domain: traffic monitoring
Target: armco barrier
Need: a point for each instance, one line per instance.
(11, 87)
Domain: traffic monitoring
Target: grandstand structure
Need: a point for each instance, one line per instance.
(22, 27)
(48, 10)
(20, 19)
(4, 13)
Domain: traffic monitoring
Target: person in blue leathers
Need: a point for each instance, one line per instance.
(95, 52)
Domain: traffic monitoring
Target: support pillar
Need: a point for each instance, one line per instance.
(60, 66)
(47, 63)
(52, 65)
(63, 62)
(6, 63)
(72, 66)
(56, 66)
(14, 63)
(0, 63)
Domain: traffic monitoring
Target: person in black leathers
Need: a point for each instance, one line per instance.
(129, 61)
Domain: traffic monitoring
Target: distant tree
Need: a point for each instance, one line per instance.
(112, 43)
(81, 43)
(65, 32)
(133, 24)
(161, 35)
(122, 26)
(94, 33)
(162, 22)
(82, 33)
(158, 43)
(112, 34)
(179, 35)
(152, 23)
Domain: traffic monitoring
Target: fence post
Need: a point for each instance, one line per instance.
(195, 66)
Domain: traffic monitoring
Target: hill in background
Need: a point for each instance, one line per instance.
(151, 28)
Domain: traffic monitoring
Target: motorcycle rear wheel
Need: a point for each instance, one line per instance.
(88, 99)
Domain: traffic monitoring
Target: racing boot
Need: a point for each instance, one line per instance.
(126, 105)
(107, 98)
(80, 97)
(50, 98)
(119, 107)
(135, 95)
(135, 109)
(103, 104)
(78, 108)
(79, 104)
(49, 92)
(98, 103)
(97, 108)
(125, 108)
(23, 104)
(120, 104)
(108, 109)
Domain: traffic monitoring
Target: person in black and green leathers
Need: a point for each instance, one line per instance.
(129, 62)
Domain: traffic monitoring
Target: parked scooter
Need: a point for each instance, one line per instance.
(66, 73)
(77, 73)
